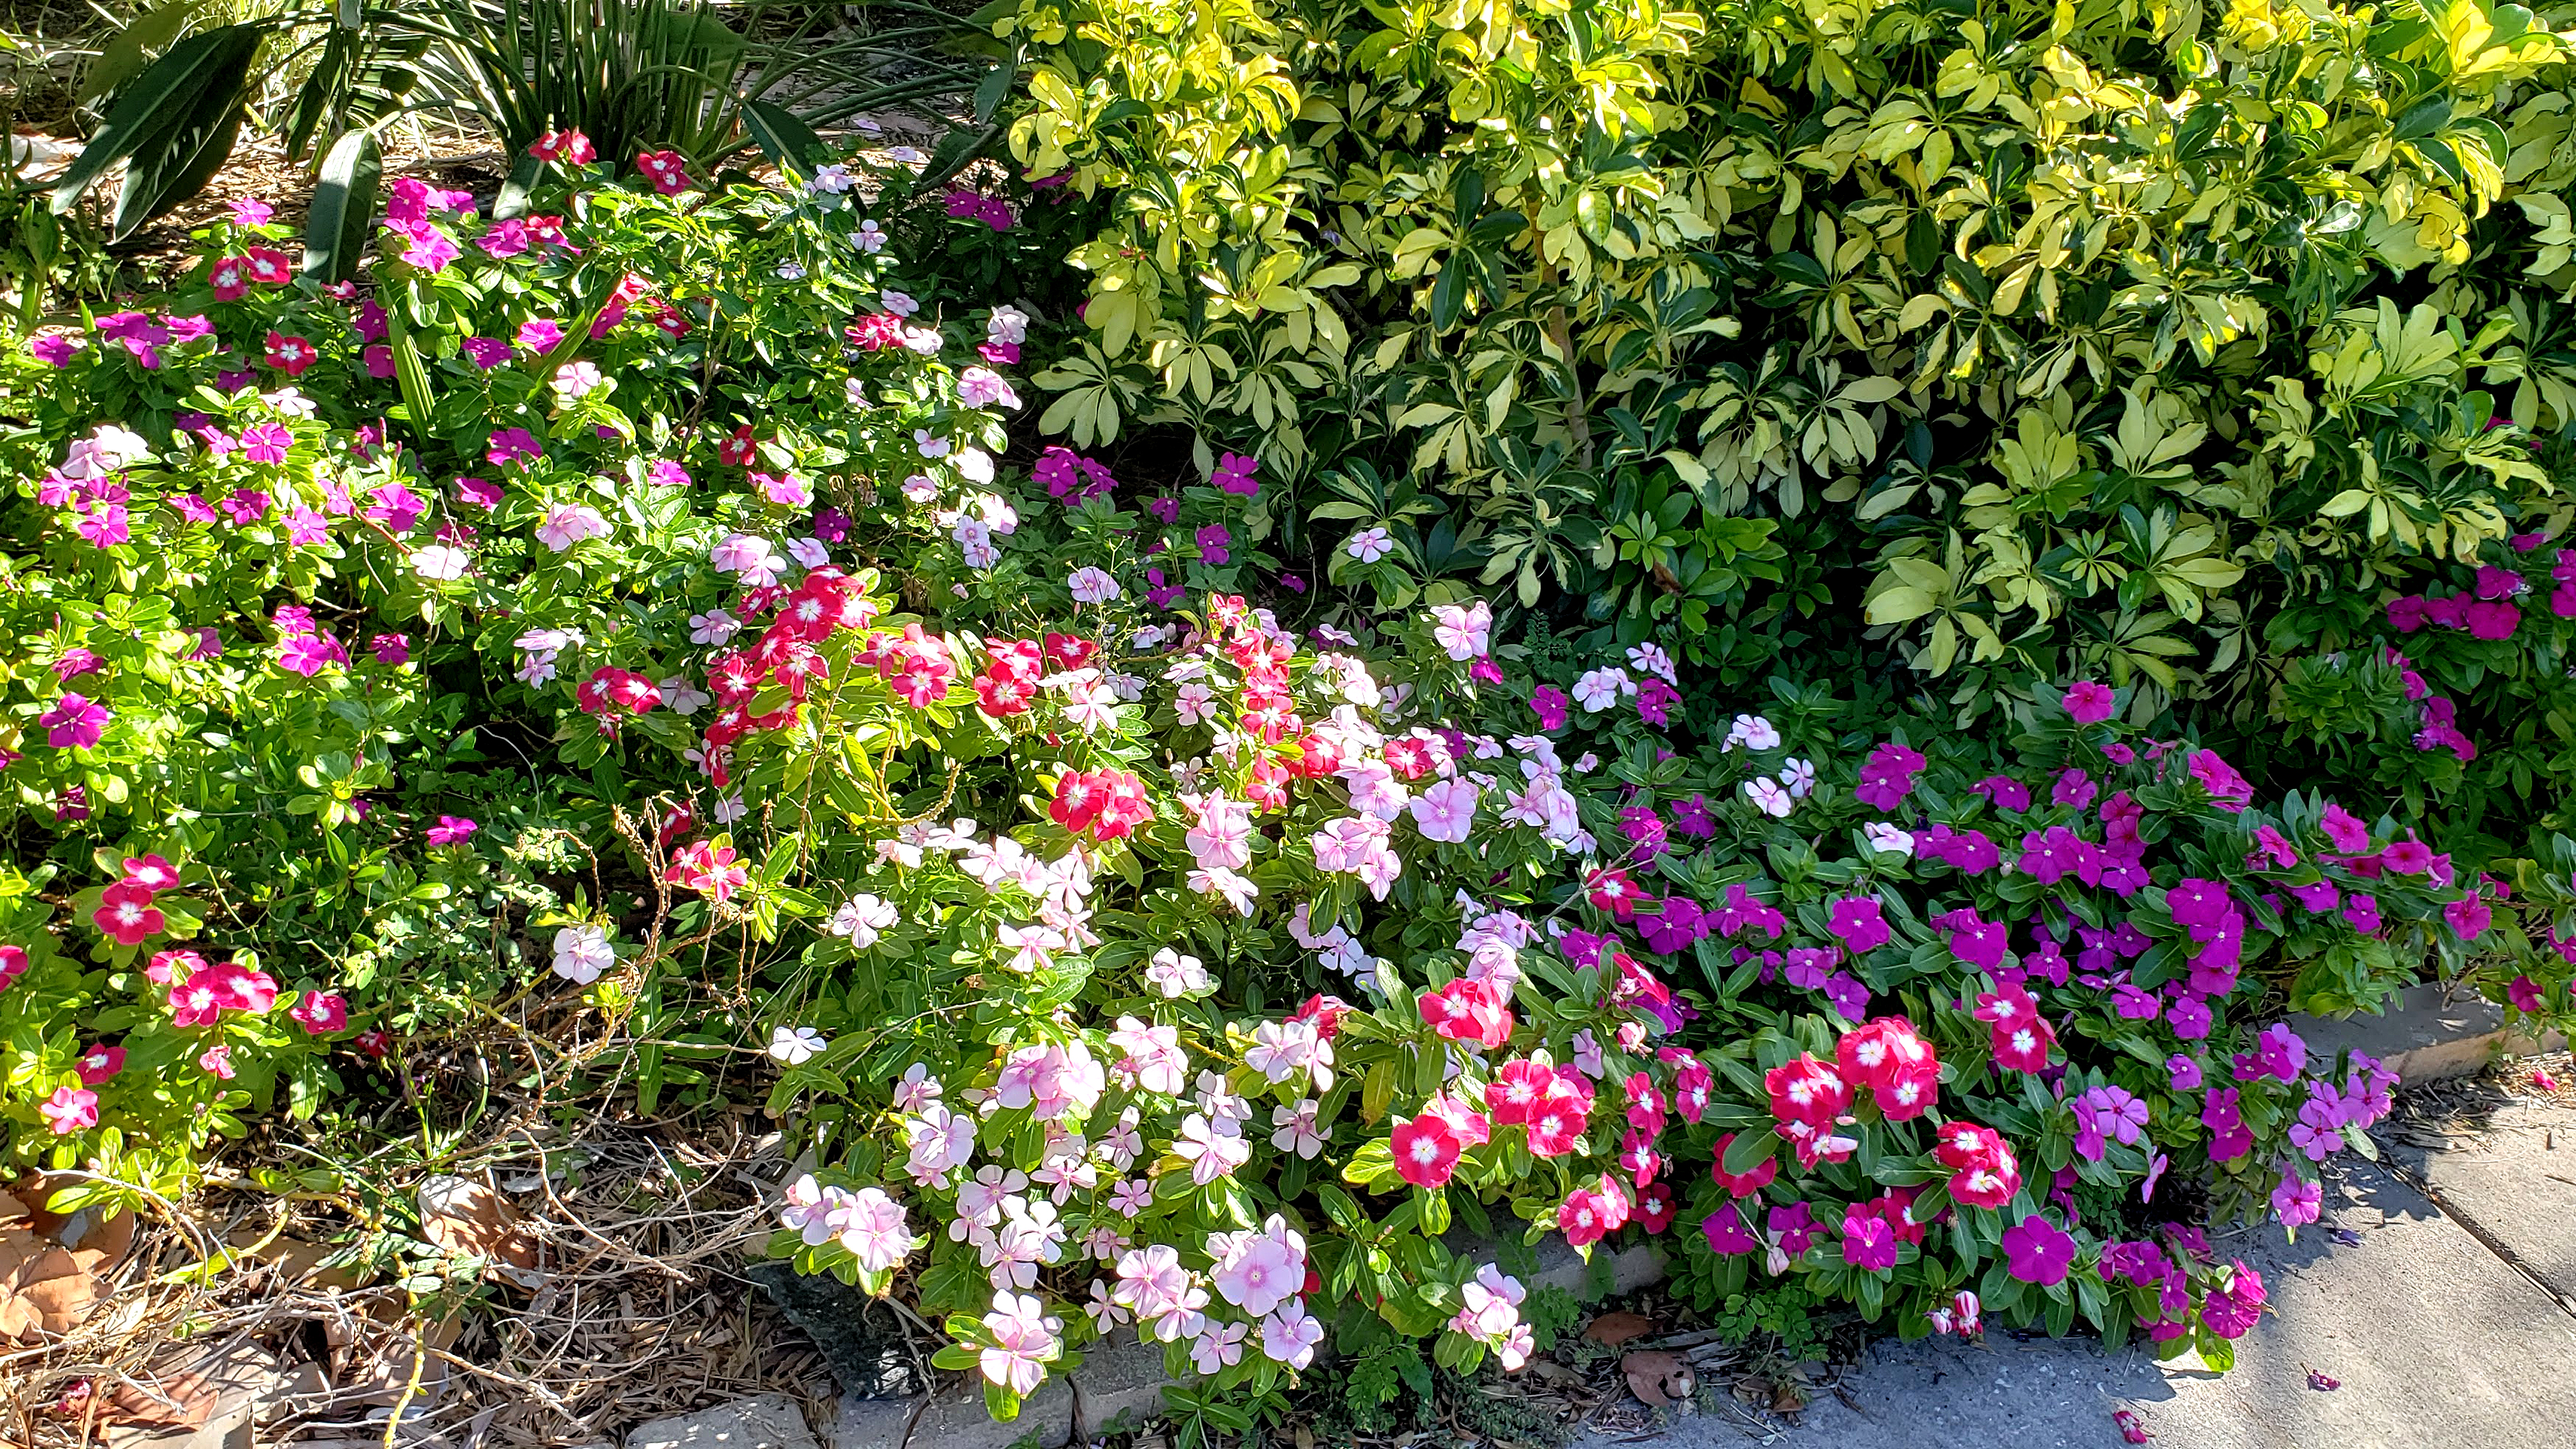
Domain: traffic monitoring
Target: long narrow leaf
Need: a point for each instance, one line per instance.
(171, 107)
(344, 208)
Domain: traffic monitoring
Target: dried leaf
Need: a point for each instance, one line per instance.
(468, 1217)
(183, 1401)
(1613, 1329)
(1659, 1380)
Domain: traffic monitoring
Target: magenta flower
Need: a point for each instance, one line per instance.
(487, 352)
(1552, 706)
(508, 444)
(1655, 700)
(1859, 924)
(306, 526)
(104, 527)
(54, 349)
(391, 648)
(309, 654)
(251, 211)
(2037, 1251)
(450, 830)
(2088, 702)
(266, 442)
(540, 335)
(482, 494)
(74, 723)
(2232, 1311)
(1213, 542)
(1869, 1244)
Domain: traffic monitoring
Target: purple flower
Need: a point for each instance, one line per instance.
(511, 443)
(1795, 1226)
(1858, 923)
(450, 830)
(2228, 789)
(1691, 817)
(2362, 911)
(2039, 1252)
(2006, 792)
(2183, 1071)
(487, 352)
(2524, 993)
(1869, 1244)
(2088, 702)
(1213, 542)
(391, 648)
(1655, 700)
(266, 442)
(2232, 1311)
(1887, 777)
(74, 723)
(2297, 1200)
(74, 663)
(1552, 706)
(1849, 996)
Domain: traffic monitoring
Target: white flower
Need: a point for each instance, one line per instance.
(1799, 776)
(1768, 796)
(684, 698)
(729, 808)
(1753, 732)
(923, 340)
(862, 919)
(582, 953)
(1887, 839)
(440, 562)
(929, 445)
(715, 626)
(795, 1045)
(577, 380)
(1007, 325)
(855, 393)
(1298, 1131)
(1176, 975)
(1092, 585)
(1600, 689)
(1650, 658)
(901, 304)
(570, 523)
(1371, 544)
(973, 464)
(830, 180)
(907, 155)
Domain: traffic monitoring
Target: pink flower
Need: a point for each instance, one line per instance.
(126, 913)
(105, 527)
(151, 872)
(540, 334)
(709, 869)
(218, 1061)
(99, 1063)
(70, 1110)
(320, 1011)
(450, 830)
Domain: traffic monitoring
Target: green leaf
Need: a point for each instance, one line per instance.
(174, 124)
(344, 204)
(782, 136)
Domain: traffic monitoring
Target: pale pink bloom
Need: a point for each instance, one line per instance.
(1196, 703)
(1222, 836)
(1154, 1059)
(1281, 1050)
(809, 1210)
(1024, 1343)
(1257, 1272)
(1463, 631)
(1446, 811)
(1290, 1335)
(1091, 585)
(1769, 796)
(569, 523)
(1238, 890)
(872, 1228)
(1176, 975)
(941, 1142)
(1219, 1347)
(916, 1089)
(1213, 1150)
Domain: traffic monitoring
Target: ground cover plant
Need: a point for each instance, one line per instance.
(1196, 892)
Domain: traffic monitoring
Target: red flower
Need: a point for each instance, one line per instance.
(1100, 804)
(1518, 1087)
(1612, 891)
(1326, 1012)
(1987, 1174)
(268, 266)
(1426, 1150)
(125, 913)
(231, 278)
(13, 964)
(1556, 1123)
(570, 147)
(1070, 651)
(1877, 1053)
(290, 355)
(736, 451)
(1655, 1207)
(667, 170)
(2022, 1037)
(1468, 1011)
(709, 869)
(610, 692)
(1807, 1090)
(99, 1063)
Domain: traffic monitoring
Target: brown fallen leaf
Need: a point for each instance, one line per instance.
(1659, 1380)
(1613, 1329)
(182, 1401)
(467, 1217)
(43, 1289)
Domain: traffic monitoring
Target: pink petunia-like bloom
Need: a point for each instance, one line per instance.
(75, 722)
(70, 1110)
(539, 334)
(1024, 1343)
(106, 526)
(450, 830)
(266, 442)
(320, 1011)
(2087, 702)
(126, 914)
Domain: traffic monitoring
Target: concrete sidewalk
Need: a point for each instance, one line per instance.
(2444, 1329)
